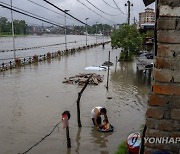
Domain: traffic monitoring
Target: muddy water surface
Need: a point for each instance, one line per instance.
(33, 98)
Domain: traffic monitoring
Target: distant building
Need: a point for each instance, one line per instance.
(147, 17)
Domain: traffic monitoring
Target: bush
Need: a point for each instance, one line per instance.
(122, 148)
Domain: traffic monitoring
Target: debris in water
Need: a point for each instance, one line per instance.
(82, 78)
(107, 63)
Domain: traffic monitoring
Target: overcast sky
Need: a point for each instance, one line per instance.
(78, 10)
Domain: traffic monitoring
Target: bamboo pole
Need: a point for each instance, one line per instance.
(78, 101)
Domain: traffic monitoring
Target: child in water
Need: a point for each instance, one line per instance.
(105, 125)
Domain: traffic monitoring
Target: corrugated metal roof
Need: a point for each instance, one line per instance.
(147, 2)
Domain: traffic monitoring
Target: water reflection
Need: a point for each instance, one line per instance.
(130, 88)
(68, 151)
(100, 138)
(78, 138)
(17, 107)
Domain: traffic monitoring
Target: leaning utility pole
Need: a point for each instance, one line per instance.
(129, 4)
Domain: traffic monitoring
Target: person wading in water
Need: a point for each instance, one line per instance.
(96, 115)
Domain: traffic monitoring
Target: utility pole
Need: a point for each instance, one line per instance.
(96, 32)
(103, 34)
(86, 30)
(129, 4)
(12, 20)
(65, 28)
(134, 20)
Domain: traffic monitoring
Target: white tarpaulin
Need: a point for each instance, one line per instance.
(96, 68)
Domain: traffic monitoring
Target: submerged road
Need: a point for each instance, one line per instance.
(32, 99)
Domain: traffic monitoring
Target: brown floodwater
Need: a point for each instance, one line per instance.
(32, 99)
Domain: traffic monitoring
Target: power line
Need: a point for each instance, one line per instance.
(30, 14)
(29, 24)
(100, 9)
(95, 12)
(64, 11)
(42, 138)
(48, 9)
(118, 7)
(109, 5)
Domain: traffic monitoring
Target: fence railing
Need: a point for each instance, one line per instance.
(21, 61)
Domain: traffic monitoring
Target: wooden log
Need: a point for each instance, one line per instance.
(95, 81)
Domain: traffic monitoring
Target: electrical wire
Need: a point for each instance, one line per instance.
(30, 13)
(118, 7)
(109, 4)
(100, 9)
(15, 10)
(95, 12)
(41, 139)
(69, 108)
(48, 9)
(65, 12)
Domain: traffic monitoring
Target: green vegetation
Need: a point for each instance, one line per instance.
(122, 148)
(100, 27)
(6, 29)
(21, 28)
(129, 39)
(92, 30)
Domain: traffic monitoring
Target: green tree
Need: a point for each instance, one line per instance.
(4, 25)
(129, 39)
(6, 28)
(19, 27)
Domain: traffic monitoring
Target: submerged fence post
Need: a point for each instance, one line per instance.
(68, 138)
(78, 101)
(65, 117)
(116, 65)
(107, 86)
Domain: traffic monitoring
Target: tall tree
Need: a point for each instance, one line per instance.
(4, 25)
(128, 38)
(19, 26)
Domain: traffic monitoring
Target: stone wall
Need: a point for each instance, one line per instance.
(163, 113)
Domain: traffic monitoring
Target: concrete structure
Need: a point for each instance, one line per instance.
(147, 17)
(163, 113)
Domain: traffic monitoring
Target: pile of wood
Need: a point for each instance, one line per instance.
(82, 78)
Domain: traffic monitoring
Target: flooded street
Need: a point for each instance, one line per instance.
(32, 99)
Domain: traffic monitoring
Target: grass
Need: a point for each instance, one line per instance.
(122, 148)
(10, 35)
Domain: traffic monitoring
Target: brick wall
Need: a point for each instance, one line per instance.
(163, 113)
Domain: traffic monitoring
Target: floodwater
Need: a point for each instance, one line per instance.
(32, 99)
(44, 44)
